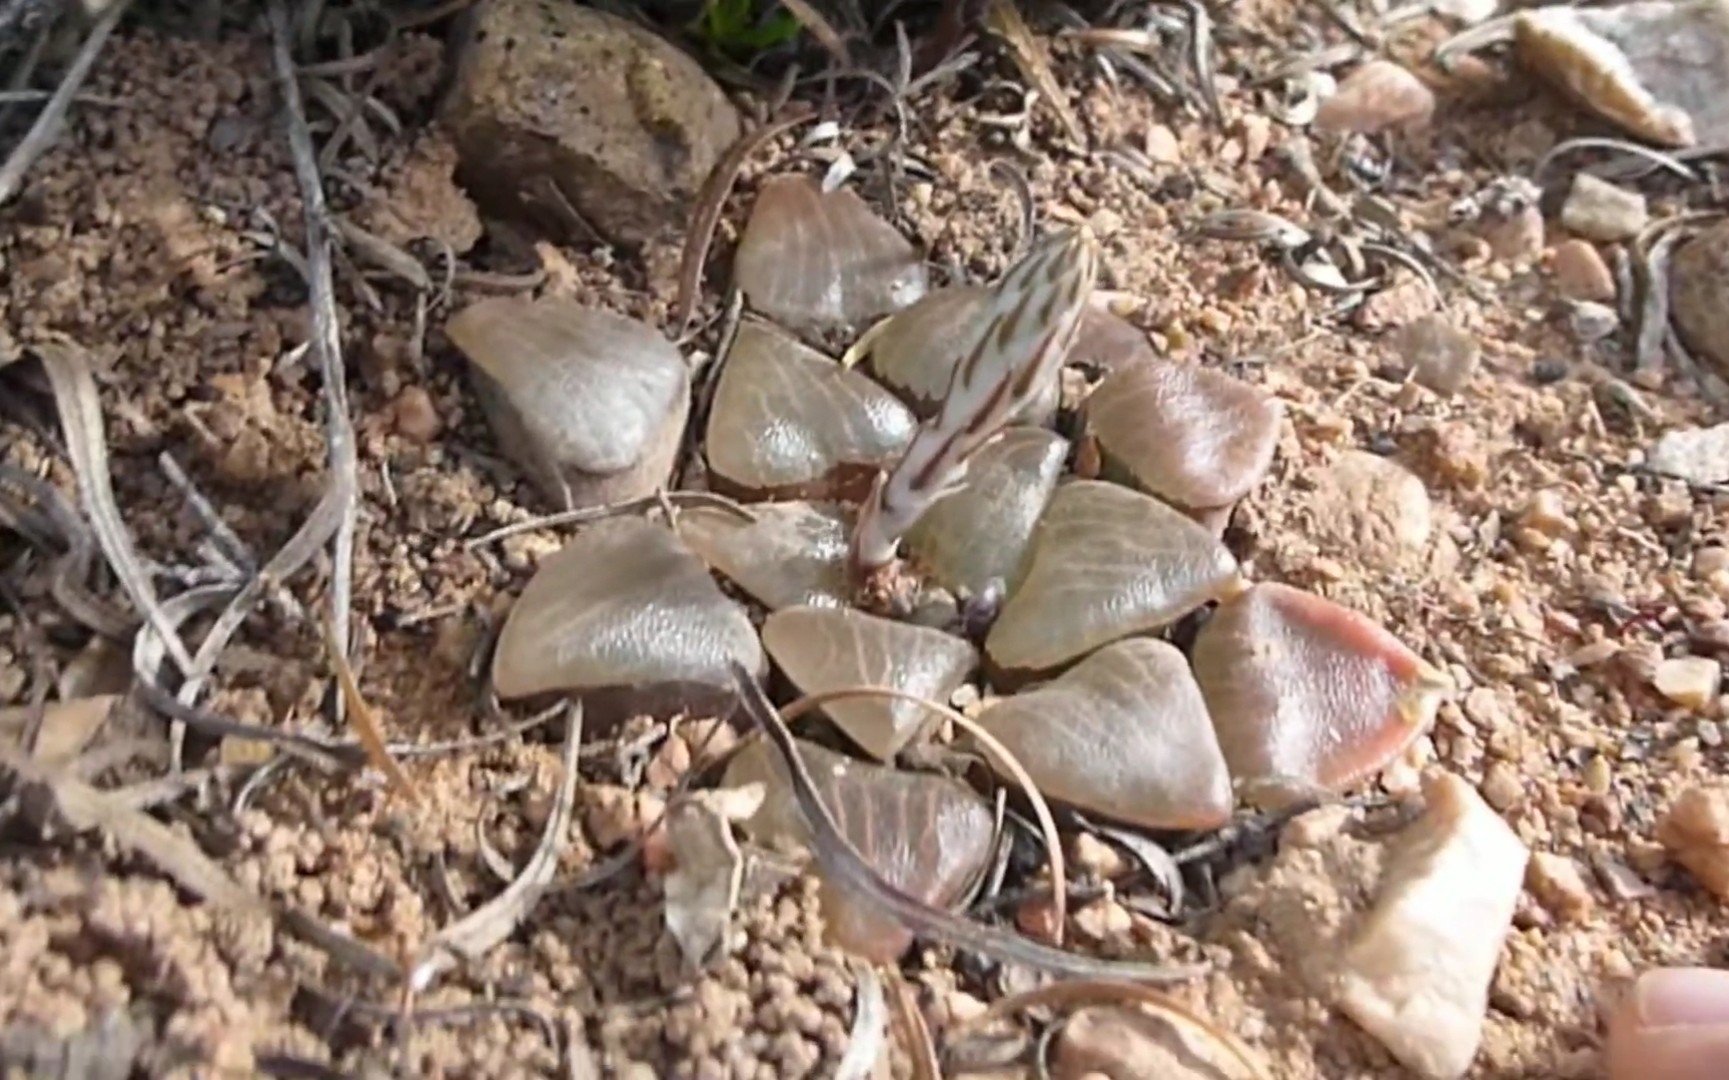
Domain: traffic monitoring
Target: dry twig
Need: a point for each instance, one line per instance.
(42, 133)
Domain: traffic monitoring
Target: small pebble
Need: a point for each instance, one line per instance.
(1374, 97)
(1691, 682)
(1559, 886)
(1515, 237)
(1162, 147)
(1103, 920)
(1695, 830)
(1547, 514)
(1598, 210)
(1597, 775)
(1581, 273)
(1096, 857)
(1503, 788)
(1591, 322)
(1442, 357)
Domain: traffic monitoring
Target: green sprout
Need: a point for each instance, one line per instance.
(736, 28)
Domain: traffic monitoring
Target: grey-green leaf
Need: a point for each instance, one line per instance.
(930, 836)
(811, 260)
(1107, 562)
(794, 553)
(823, 648)
(915, 352)
(590, 404)
(981, 533)
(625, 606)
(1192, 436)
(789, 423)
(1124, 733)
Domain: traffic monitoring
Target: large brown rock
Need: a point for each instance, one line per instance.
(1699, 295)
(558, 108)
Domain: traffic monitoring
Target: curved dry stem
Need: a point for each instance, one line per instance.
(1047, 824)
(1111, 992)
(914, 1033)
(590, 514)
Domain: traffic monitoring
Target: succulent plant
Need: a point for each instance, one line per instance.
(1031, 319)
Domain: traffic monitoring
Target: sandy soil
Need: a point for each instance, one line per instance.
(147, 236)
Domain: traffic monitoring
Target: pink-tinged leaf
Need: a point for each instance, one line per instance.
(1107, 343)
(811, 260)
(1124, 733)
(794, 553)
(929, 836)
(1194, 437)
(1031, 319)
(1304, 690)
(624, 607)
(1107, 562)
(789, 423)
(829, 649)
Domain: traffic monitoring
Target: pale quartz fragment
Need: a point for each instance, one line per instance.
(1695, 829)
(1417, 974)
(1657, 68)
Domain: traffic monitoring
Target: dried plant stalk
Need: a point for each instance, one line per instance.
(1033, 316)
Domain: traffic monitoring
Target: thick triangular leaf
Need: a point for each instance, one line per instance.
(915, 352)
(928, 835)
(981, 533)
(1124, 733)
(1107, 562)
(624, 606)
(1301, 689)
(816, 261)
(1194, 437)
(794, 553)
(590, 404)
(829, 648)
(789, 423)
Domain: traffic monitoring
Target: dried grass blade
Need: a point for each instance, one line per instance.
(869, 1029)
(86, 808)
(46, 128)
(80, 410)
(821, 29)
(1003, 18)
(915, 1034)
(480, 930)
(364, 722)
(845, 867)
